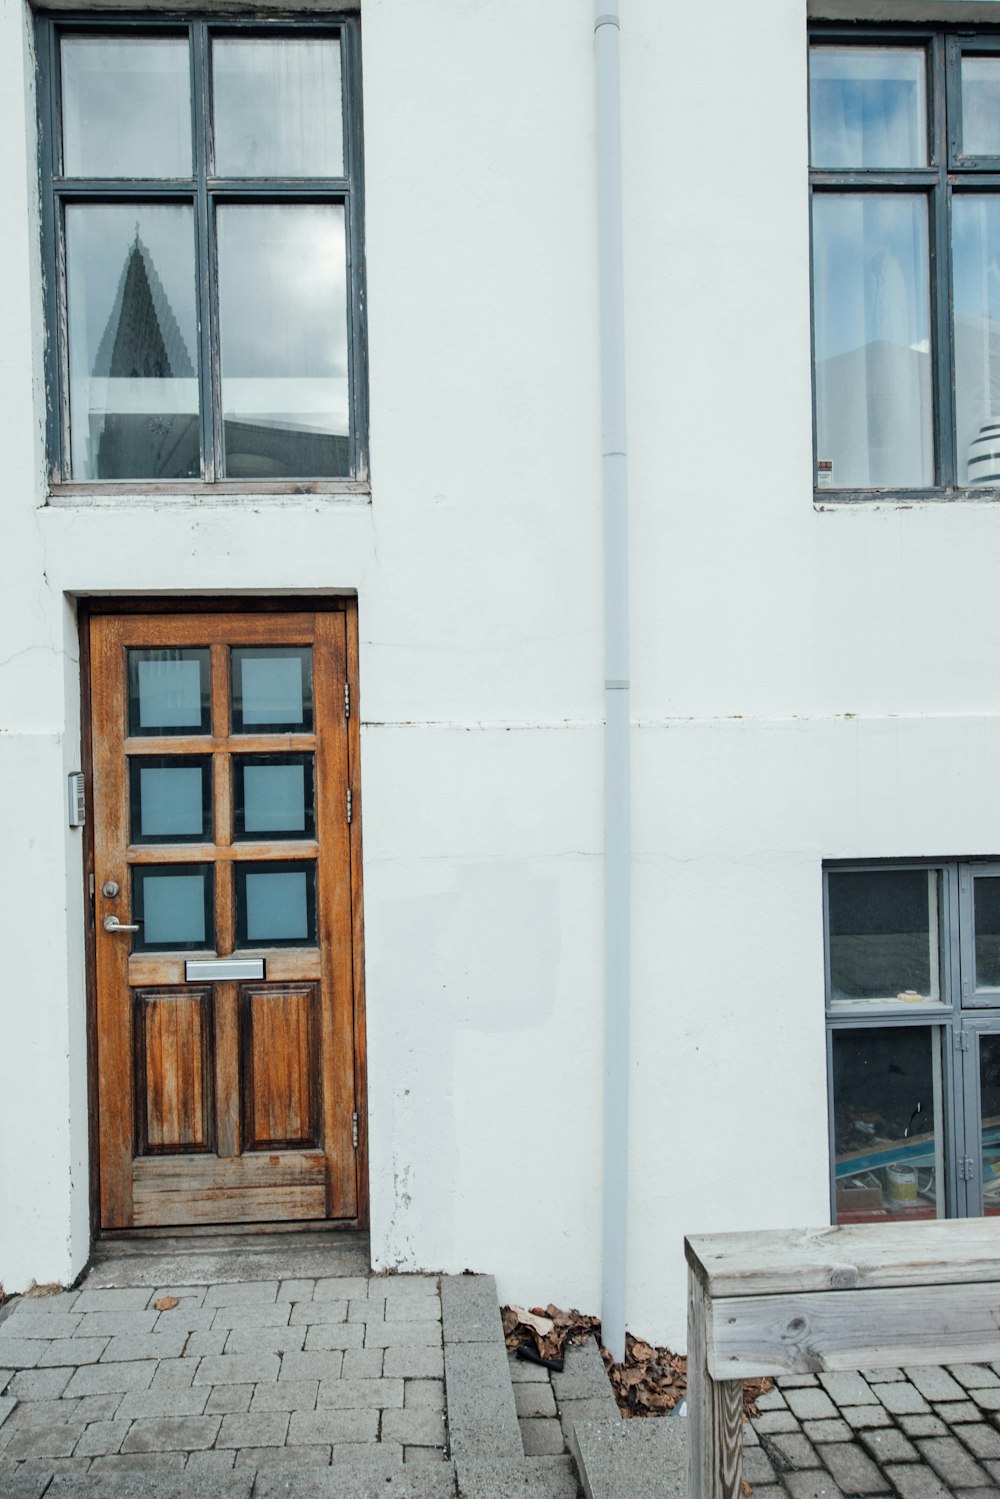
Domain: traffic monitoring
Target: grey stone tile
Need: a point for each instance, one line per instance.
(25, 1322)
(330, 1426)
(174, 1374)
(323, 1337)
(981, 1440)
(265, 1340)
(6, 1375)
(326, 1365)
(828, 1431)
(790, 1449)
(116, 1299)
(532, 1478)
(405, 1335)
(522, 1371)
(481, 1414)
(413, 1363)
(470, 1310)
(25, 1485)
(811, 1405)
(287, 1457)
(772, 1421)
(40, 1384)
(227, 1399)
(860, 1417)
(239, 1368)
(952, 1463)
(923, 1426)
(7, 1406)
(363, 1309)
(193, 1294)
(242, 1292)
(423, 1455)
(252, 1314)
(934, 1383)
(45, 1441)
(21, 1353)
(69, 1465)
(56, 1301)
(584, 1377)
(360, 1394)
(72, 1352)
(101, 1438)
(987, 1400)
(103, 1379)
(974, 1376)
(914, 1481)
(286, 1395)
(757, 1467)
(340, 1288)
(190, 1318)
(363, 1363)
(902, 1399)
(206, 1344)
(428, 1395)
(85, 1407)
(845, 1387)
(158, 1463)
(361, 1479)
(541, 1437)
(773, 1400)
(571, 1412)
(854, 1470)
(215, 1460)
(142, 1405)
(117, 1324)
(172, 1434)
(259, 1428)
(144, 1345)
(796, 1381)
(956, 1412)
(413, 1309)
(400, 1287)
(882, 1376)
(296, 1290)
(812, 1485)
(415, 1428)
(888, 1445)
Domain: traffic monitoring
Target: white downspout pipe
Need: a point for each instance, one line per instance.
(617, 800)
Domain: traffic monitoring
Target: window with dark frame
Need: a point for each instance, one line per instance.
(904, 129)
(203, 243)
(913, 1035)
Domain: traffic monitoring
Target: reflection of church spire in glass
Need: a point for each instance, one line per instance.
(142, 339)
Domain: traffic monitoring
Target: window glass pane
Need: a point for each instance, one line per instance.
(887, 1124)
(173, 906)
(273, 794)
(284, 369)
(168, 691)
(883, 932)
(989, 1121)
(867, 107)
(272, 689)
(980, 106)
(133, 341)
(987, 920)
(276, 905)
(126, 106)
(171, 799)
(976, 273)
(874, 409)
(278, 110)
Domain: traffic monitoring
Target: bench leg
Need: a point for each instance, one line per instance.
(714, 1414)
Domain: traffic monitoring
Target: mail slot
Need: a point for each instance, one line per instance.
(215, 970)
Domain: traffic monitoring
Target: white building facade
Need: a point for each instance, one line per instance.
(812, 679)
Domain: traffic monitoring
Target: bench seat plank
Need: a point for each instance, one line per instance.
(776, 1261)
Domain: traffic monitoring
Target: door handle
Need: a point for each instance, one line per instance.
(112, 924)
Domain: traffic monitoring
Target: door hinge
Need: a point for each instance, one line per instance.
(962, 1040)
(354, 1129)
(347, 699)
(965, 1168)
(348, 803)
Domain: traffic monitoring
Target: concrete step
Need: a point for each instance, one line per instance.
(644, 1458)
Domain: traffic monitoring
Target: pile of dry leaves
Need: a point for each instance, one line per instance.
(650, 1382)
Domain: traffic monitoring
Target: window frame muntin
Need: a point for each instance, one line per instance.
(945, 174)
(202, 192)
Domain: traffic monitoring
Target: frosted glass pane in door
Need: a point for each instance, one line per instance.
(278, 109)
(274, 796)
(874, 407)
(168, 691)
(171, 799)
(173, 906)
(276, 904)
(272, 689)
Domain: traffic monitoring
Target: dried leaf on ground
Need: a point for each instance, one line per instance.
(650, 1382)
(166, 1303)
(50, 1288)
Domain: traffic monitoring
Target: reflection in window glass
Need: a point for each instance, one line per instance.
(133, 341)
(874, 414)
(987, 923)
(887, 1124)
(980, 106)
(976, 280)
(173, 905)
(283, 319)
(867, 107)
(884, 936)
(278, 110)
(168, 691)
(126, 106)
(989, 1121)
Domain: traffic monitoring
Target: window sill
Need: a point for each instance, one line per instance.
(879, 1010)
(229, 492)
(902, 499)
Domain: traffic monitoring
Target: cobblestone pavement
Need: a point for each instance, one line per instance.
(250, 1374)
(921, 1433)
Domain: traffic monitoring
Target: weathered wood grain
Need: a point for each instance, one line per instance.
(714, 1413)
(174, 1083)
(247, 1189)
(280, 1065)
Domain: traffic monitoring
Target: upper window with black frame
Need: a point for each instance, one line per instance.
(203, 242)
(905, 170)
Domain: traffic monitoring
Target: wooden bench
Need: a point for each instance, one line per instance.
(804, 1301)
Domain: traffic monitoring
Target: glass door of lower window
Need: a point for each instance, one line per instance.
(979, 1166)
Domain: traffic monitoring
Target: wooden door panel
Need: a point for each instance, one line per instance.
(223, 1102)
(174, 1070)
(281, 1084)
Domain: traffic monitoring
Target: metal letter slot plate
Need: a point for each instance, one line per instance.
(214, 970)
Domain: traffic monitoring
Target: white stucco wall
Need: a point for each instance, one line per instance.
(804, 682)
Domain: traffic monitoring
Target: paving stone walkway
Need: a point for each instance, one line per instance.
(921, 1433)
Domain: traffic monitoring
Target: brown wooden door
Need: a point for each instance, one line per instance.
(220, 791)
